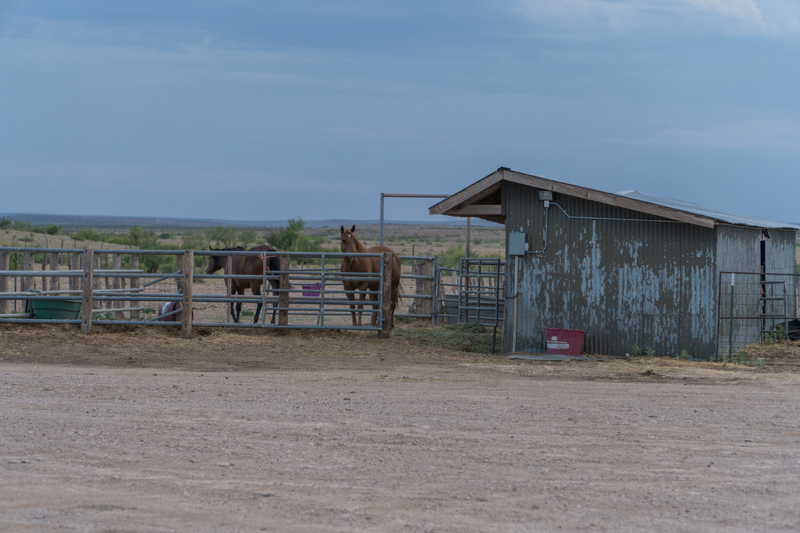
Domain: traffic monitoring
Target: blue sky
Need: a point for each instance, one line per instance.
(255, 110)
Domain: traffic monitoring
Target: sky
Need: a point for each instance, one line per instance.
(277, 109)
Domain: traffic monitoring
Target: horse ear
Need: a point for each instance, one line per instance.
(210, 248)
(353, 229)
(342, 230)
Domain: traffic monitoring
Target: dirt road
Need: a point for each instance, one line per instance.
(143, 431)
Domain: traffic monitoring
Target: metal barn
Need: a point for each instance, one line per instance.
(629, 269)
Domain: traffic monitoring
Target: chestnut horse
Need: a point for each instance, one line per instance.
(351, 244)
(247, 265)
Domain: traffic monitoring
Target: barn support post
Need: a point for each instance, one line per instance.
(4, 257)
(730, 327)
(386, 296)
(283, 298)
(88, 291)
(134, 259)
(188, 279)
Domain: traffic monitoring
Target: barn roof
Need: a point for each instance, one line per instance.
(482, 200)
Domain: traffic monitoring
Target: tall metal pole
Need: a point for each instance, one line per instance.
(382, 196)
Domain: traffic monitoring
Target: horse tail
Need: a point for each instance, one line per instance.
(274, 263)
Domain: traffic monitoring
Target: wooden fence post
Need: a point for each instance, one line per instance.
(228, 285)
(95, 266)
(26, 282)
(425, 287)
(386, 308)
(4, 265)
(88, 290)
(283, 298)
(44, 267)
(116, 283)
(188, 278)
(55, 283)
(135, 285)
(74, 264)
(106, 281)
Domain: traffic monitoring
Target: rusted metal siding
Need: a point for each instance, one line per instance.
(739, 250)
(646, 284)
(781, 259)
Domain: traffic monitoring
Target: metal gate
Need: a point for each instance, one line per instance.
(473, 292)
(756, 307)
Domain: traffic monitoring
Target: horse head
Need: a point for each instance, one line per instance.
(217, 262)
(350, 243)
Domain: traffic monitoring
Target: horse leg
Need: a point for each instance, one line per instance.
(362, 295)
(352, 297)
(237, 292)
(276, 294)
(256, 290)
(374, 299)
(394, 304)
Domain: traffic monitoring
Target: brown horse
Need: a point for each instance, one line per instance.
(247, 265)
(351, 244)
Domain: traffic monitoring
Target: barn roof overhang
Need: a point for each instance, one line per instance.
(482, 200)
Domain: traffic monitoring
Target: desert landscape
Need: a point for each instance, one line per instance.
(133, 428)
(139, 430)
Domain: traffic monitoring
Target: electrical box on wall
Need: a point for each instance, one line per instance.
(516, 243)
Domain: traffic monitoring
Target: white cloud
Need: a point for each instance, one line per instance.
(761, 17)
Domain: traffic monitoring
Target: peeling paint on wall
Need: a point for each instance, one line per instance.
(649, 284)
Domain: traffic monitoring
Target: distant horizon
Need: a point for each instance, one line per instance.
(108, 220)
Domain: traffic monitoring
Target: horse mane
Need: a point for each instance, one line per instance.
(361, 249)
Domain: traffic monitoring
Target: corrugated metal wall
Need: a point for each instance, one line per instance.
(649, 284)
(739, 250)
(781, 259)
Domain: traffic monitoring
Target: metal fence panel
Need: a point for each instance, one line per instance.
(756, 307)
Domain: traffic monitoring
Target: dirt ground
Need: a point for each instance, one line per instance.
(139, 430)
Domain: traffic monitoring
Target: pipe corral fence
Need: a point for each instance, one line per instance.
(754, 307)
(110, 287)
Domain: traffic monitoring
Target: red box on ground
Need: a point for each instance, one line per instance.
(564, 341)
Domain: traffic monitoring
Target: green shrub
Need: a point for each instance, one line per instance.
(6, 222)
(221, 237)
(247, 237)
(87, 234)
(50, 229)
(745, 359)
(290, 238)
(683, 356)
(19, 225)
